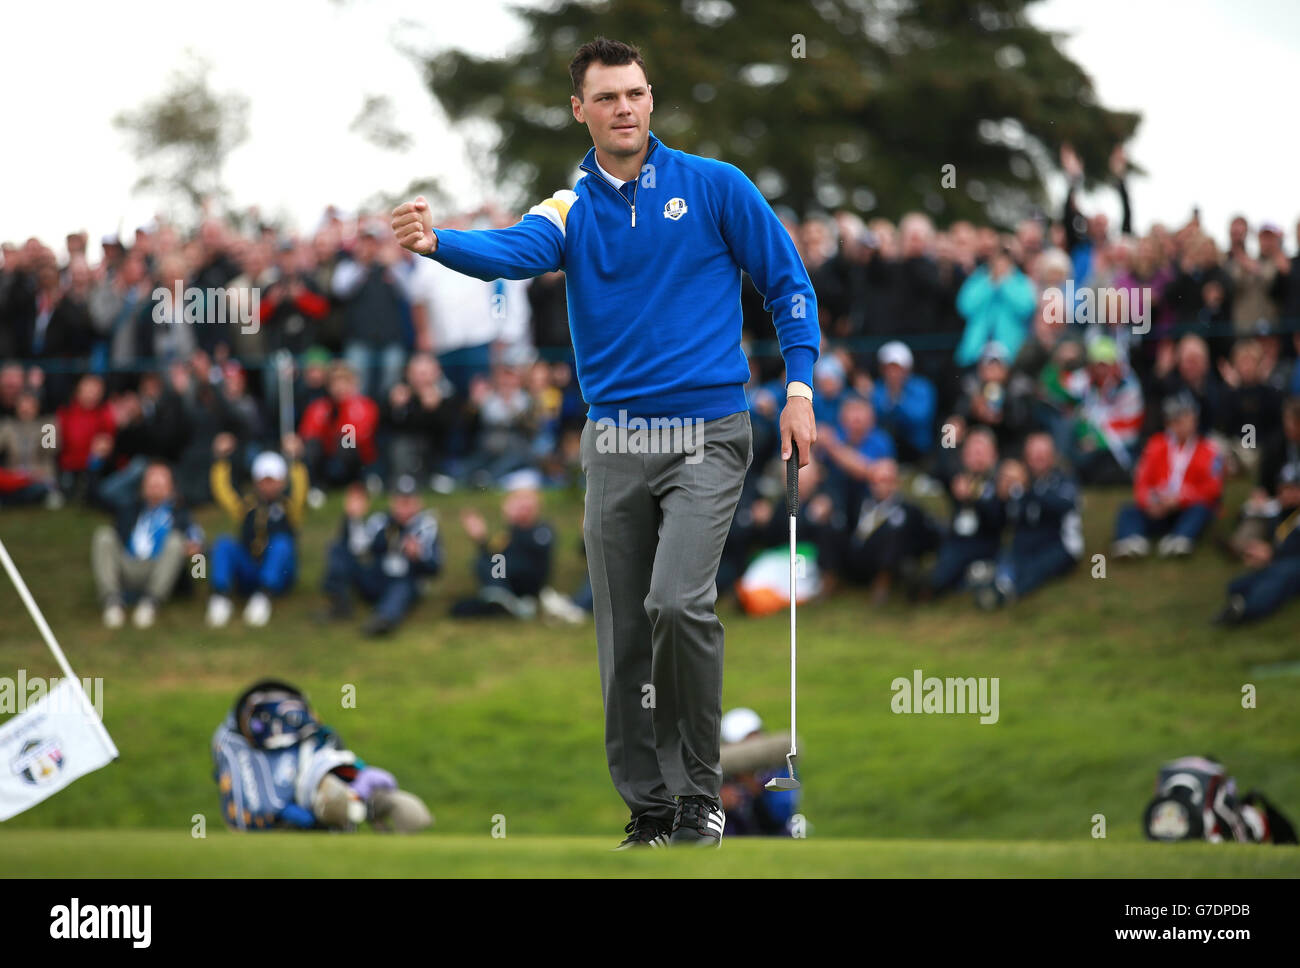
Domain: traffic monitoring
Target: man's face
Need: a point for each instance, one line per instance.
(992, 370)
(11, 381)
(1237, 230)
(1193, 362)
(1040, 454)
(343, 386)
(857, 419)
(157, 486)
(90, 392)
(1182, 425)
(615, 106)
(421, 371)
(522, 507)
(978, 454)
(269, 488)
(403, 507)
(884, 480)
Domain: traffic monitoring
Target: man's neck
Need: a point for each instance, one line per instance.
(626, 168)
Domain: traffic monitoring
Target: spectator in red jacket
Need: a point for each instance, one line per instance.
(338, 430)
(1178, 486)
(86, 428)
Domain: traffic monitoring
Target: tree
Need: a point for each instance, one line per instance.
(183, 137)
(856, 104)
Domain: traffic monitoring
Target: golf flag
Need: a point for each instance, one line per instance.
(48, 745)
(56, 740)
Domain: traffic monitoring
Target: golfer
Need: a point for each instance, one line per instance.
(652, 242)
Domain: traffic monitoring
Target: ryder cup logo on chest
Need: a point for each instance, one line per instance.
(675, 208)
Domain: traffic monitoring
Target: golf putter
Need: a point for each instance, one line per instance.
(792, 505)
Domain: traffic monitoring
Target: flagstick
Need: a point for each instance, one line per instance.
(16, 577)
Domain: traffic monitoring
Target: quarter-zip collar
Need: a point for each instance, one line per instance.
(589, 165)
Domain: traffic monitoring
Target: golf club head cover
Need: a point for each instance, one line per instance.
(792, 480)
(399, 811)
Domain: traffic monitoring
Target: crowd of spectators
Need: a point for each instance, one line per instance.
(1000, 370)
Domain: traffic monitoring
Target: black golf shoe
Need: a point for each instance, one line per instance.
(699, 822)
(644, 831)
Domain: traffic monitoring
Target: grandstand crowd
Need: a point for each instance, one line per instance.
(1002, 370)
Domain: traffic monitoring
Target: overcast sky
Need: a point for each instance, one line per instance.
(1213, 79)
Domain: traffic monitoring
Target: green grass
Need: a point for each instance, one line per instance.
(1100, 681)
(171, 853)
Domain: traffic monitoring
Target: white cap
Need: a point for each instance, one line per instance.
(270, 464)
(526, 479)
(739, 723)
(895, 351)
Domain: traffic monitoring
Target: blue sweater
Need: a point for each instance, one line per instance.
(653, 280)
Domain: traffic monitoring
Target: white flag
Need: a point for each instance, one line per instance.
(48, 745)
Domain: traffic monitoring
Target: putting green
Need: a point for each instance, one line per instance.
(165, 853)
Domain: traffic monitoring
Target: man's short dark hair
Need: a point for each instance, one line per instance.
(602, 50)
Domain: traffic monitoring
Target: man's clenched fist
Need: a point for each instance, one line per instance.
(413, 226)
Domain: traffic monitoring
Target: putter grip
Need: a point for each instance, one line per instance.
(792, 480)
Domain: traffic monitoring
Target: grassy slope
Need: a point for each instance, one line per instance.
(1100, 681)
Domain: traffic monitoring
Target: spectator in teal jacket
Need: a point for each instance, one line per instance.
(997, 302)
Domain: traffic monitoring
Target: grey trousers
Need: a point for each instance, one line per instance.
(116, 571)
(654, 529)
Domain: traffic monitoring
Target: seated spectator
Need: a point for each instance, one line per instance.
(978, 515)
(829, 380)
(13, 383)
(383, 556)
(503, 418)
(1276, 579)
(152, 426)
(338, 431)
(1042, 503)
(315, 380)
(904, 403)
(888, 537)
(29, 473)
(262, 561)
(850, 447)
(1251, 409)
(986, 400)
(1188, 370)
(86, 429)
(1108, 416)
(1177, 489)
(1277, 491)
(418, 417)
(997, 301)
(141, 555)
(751, 757)
(512, 569)
(240, 407)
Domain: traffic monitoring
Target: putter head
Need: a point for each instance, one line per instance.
(784, 782)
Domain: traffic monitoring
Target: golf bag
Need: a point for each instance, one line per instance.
(1197, 800)
(278, 767)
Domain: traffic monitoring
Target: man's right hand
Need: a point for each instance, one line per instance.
(413, 226)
